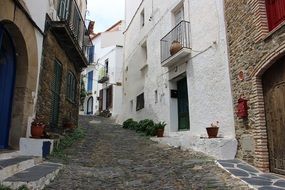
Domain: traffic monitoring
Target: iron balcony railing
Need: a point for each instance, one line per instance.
(179, 34)
(69, 12)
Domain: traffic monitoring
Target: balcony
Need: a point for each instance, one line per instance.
(71, 33)
(103, 75)
(175, 45)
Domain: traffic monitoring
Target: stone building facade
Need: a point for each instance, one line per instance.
(254, 46)
(68, 110)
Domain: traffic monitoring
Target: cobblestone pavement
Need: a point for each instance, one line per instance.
(111, 157)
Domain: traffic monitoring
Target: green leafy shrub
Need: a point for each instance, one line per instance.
(143, 125)
(147, 126)
(130, 124)
(127, 123)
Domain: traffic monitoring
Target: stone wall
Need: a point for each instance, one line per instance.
(53, 51)
(252, 49)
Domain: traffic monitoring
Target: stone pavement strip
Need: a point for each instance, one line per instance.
(255, 178)
(110, 157)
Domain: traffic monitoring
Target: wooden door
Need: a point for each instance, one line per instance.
(101, 100)
(183, 110)
(7, 78)
(55, 89)
(274, 98)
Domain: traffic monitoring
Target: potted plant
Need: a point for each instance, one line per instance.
(175, 47)
(160, 128)
(213, 130)
(37, 128)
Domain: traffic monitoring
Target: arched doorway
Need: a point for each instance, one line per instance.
(274, 98)
(90, 105)
(7, 79)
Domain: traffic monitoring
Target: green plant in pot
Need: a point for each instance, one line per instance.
(213, 130)
(160, 128)
(37, 128)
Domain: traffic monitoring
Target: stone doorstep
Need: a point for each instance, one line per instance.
(10, 166)
(36, 177)
(251, 176)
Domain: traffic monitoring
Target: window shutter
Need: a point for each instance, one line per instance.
(110, 96)
(90, 81)
(101, 100)
(275, 12)
(91, 54)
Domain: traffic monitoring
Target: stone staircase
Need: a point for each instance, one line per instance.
(17, 170)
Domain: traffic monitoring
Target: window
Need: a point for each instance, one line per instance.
(71, 87)
(106, 66)
(142, 18)
(63, 9)
(140, 102)
(275, 12)
(90, 81)
(91, 54)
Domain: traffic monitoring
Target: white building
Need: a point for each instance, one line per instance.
(103, 77)
(189, 89)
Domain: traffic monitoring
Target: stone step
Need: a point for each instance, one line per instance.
(36, 177)
(10, 166)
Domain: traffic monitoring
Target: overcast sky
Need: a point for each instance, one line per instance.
(105, 13)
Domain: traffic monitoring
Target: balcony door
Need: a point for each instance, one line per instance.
(178, 17)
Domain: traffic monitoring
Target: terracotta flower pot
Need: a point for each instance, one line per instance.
(159, 132)
(212, 132)
(175, 47)
(37, 131)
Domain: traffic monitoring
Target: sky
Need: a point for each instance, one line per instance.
(105, 13)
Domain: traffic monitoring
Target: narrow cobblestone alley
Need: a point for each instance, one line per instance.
(110, 157)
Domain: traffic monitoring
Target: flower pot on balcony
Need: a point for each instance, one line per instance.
(175, 47)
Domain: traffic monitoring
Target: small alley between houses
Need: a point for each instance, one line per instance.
(110, 157)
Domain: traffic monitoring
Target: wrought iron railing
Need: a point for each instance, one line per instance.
(69, 12)
(179, 34)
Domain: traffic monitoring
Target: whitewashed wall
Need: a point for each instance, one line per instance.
(207, 70)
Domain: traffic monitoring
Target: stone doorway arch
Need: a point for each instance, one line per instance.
(26, 75)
